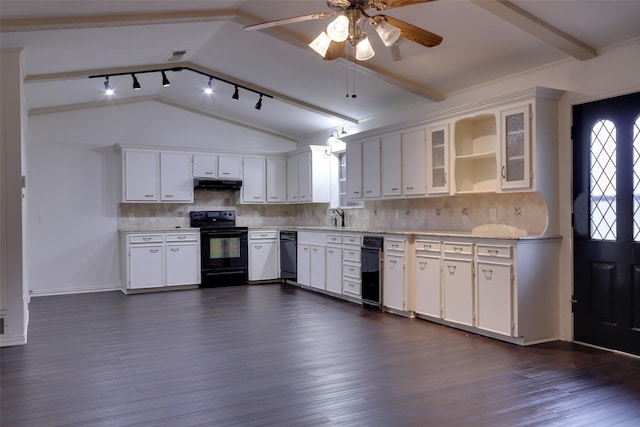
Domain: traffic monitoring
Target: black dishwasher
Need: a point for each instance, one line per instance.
(288, 255)
(371, 264)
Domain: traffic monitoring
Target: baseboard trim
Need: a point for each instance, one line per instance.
(19, 340)
(67, 291)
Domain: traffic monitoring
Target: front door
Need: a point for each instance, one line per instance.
(606, 204)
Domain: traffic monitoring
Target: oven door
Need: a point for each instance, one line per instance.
(224, 249)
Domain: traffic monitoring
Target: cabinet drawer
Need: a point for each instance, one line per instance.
(427, 245)
(458, 248)
(351, 271)
(348, 239)
(394, 245)
(494, 251)
(146, 238)
(351, 254)
(191, 237)
(263, 234)
(350, 287)
(334, 238)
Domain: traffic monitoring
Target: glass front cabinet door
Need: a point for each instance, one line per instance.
(438, 159)
(515, 146)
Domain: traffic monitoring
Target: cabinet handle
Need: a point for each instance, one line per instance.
(423, 265)
(351, 253)
(504, 174)
(394, 189)
(488, 274)
(306, 249)
(168, 195)
(146, 239)
(208, 173)
(368, 191)
(393, 261)
(225, 173)
(493, 252)
(457, 250)
(445, 177)
(182, 237)
(149, 195)
(257, 246)
(256, 197)
(408, 188)
(175, 249)
(427, 246)
(153, 251)
(356, 192)
(315, 249)
(452, 269)
(330, 251)
(273, 197)
(394, 245)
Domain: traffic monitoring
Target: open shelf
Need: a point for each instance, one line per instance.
(476, 142)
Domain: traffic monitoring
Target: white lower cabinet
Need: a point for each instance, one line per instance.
(494, 308)
(145, 266)
(263, 255)
(427, 269)
(457, 282)
(333, 275)
(317, 278)
(395, 288)
(304, 263)
(351, 266)
(156, 260)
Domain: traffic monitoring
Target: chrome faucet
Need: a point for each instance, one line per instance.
(340, 213)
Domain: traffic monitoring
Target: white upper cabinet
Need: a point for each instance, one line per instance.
(276, 180)
(140, 176)
(475, 144)
(308, 176)
(354, 170)
(413, 163)
(292, 179)
(254, 180)
(229, 167)
(438, 159)
(176, 182)
(371, 168)
(205, 165)
(515, 140)
(391, 165)
(156, 176)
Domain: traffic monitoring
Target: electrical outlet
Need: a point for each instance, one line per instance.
(493, 215)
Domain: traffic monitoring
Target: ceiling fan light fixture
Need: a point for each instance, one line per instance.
(321, 43)
(364, 50)
(338, 29)
(388, 33)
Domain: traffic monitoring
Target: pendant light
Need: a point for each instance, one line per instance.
(364, 50)
(338, 29)
(321, 43)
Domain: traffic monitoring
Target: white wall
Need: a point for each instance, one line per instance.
(72, 174)
(13, 296)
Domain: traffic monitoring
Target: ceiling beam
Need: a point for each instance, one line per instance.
(535, 26)
(243, 18)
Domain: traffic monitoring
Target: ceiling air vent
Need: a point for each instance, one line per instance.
(176, 55)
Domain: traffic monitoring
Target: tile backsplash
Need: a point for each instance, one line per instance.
(526, 211)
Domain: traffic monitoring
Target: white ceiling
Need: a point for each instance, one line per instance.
(66, 41)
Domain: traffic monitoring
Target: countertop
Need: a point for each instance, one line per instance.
(160, 230)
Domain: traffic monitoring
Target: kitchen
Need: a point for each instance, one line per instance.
(67, 226)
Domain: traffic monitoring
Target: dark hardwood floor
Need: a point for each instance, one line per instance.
(276, 355)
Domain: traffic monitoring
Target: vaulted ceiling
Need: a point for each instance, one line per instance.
(64, 42)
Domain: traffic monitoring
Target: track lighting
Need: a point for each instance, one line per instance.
(343, 133)
(209, 90)
(136, 83)
(165, 80)
(108, 90)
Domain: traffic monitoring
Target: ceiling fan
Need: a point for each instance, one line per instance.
(348, 27)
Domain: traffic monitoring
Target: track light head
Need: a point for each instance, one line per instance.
(259, 103)
(136, 83)
(108, 90)
(209, 89)
(236, 94)
(165, 80)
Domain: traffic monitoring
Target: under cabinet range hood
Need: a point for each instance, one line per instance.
(217, 184)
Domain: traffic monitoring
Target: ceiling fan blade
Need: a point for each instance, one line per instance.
(286, 21)
(390, 4)
(335, 50)
(413, 33)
